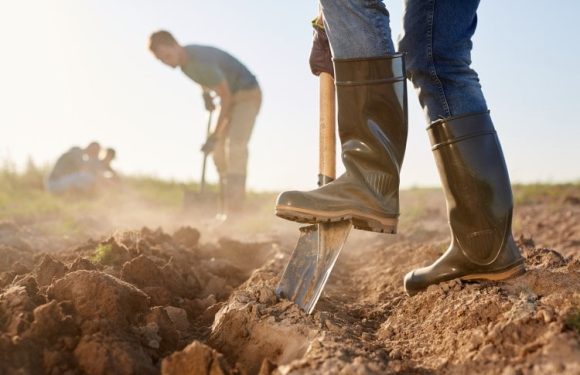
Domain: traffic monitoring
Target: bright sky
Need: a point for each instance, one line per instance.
(74, 71)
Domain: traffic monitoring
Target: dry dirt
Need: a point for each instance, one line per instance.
(147, 302)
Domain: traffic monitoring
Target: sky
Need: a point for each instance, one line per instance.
(75, 71)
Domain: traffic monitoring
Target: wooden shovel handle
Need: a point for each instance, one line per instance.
(327, 146)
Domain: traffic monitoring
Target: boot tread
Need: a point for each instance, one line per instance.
(360, 220)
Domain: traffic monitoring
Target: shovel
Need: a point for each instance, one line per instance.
(319, 245)
(204, 163)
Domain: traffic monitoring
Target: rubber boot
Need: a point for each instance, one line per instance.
(372, 124)
(222, 208)
(236, 193)
(479, 201)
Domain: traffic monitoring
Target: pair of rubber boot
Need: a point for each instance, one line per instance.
(372, 123)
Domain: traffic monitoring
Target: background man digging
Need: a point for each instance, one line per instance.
(240, 99)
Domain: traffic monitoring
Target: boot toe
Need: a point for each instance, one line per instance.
(290, 199)
(294, 206)
(412, 283)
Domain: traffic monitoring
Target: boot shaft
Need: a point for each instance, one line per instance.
(372, 124)
(235, 192)
(372, 119)
(476, 184)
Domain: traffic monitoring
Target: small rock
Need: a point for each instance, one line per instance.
(331, 325)
(96, 295)
(101, 355)
(387, 333)
(19, 268)
(142, 272)
(267, 367)
(153, 344)
(48, 270)
(70, 342)
(82, 264)
(395, 354)
(187, 236)
(178, 316)
(196, 358)
(485, 352)
(367, 336)
(243, 298)
(166, 328)
(266, 296)
(546, 315)
(160, 296)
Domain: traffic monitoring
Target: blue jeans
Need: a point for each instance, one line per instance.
(436, 39)
(76, 181)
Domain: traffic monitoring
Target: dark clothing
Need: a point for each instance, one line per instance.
(209, 66)
(70, 162)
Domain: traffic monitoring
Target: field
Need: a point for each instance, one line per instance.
(130, 282)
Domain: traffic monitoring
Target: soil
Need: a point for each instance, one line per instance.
(194, 302)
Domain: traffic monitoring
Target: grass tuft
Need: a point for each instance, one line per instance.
(572, 321)
(103, 254)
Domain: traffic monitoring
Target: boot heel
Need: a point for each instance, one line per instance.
(388, 225)
(512, 272)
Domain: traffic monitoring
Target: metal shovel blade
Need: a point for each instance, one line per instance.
(311, 263)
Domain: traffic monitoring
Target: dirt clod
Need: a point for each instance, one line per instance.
(96, 295)
(146, 302)
(48, 270)
(142, 272)
(196, 358)
(187, 236)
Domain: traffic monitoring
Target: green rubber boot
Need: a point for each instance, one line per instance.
(372, 124)
(479, 200)
(236, 193)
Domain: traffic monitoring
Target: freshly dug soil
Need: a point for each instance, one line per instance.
(146, 302)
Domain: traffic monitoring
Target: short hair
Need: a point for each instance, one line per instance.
(111, 153)
(161, 38)
(94, 147)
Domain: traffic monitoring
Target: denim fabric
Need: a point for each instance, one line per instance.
(437, 41)
(436, 38)
(357, 28)
(75, 181)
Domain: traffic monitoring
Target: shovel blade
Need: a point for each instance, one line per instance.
(311, 263)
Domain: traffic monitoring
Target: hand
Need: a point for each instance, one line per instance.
(320, 54)
(209, 144)
(208, 101)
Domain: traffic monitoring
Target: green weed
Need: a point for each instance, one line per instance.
(573, 320)
(103, 254)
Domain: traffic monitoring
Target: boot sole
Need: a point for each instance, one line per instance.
(512, 272)
(517, 270)
(359, 220)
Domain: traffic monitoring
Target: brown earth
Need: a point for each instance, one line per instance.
(146, 302)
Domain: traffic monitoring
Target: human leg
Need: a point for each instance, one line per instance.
(243, 117)
(437, 40)
(372, 123)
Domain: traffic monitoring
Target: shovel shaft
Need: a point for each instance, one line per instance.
(204, 163)
(327, 139)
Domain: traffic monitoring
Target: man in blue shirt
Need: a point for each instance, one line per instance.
(240, 97)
